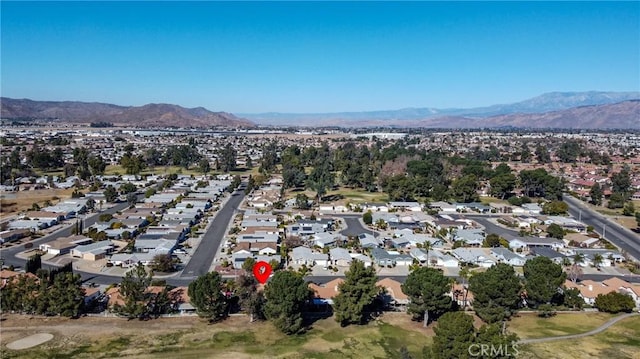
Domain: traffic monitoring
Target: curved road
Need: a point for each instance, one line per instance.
(600, 329)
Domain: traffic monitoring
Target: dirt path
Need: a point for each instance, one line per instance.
(600, 329)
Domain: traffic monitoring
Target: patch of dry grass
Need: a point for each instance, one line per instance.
(619, 341)
(529, 325)
(15, 202)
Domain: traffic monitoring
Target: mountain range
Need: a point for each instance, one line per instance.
(150, 115)
(579, 110)
(553, 101)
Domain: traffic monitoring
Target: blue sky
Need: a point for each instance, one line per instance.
(316, 57)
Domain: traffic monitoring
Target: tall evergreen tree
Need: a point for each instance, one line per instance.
(286, 294)
(427, 290)
(133, 288)
(454, 334)
(207, 297)
(496, 293)
(543, 279)
(357, 293)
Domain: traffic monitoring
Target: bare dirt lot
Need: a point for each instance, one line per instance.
(15, 202)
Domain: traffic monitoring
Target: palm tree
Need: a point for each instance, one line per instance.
(427, 247)
(578, 258)
(465, 274)
(566, 262)
(597, 260)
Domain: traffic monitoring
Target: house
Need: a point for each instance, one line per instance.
(94, 251)
(399, 242)
(362, 258)
(180, 301)
(406, 206)
(324, 293)
(369, 241)
(475, 256)
(420, 255)
(304, 255)
(325, 239)
(393, 296)
(375, 207)
(340, 257)
(126, 260)
(567, 223)
(550, 253)
(258, 237)
(64, 245)
(13, 235)
(439, 259)
(443, 207)
(506, 256)
(390, 258)
(389, 218)
(381, 257)
(471, 237)
(532, 208)
(589, 289)
(530, 242)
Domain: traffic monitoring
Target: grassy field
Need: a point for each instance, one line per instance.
(620, 341)
(233, 338)
(189, 337)
(529, 325)
(13, 202)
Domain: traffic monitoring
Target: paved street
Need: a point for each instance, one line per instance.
(622, 237)
(203, 256)
(354, 226)
(9, 254)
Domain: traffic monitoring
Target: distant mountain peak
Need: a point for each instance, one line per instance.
(149, 115)
(546, 102)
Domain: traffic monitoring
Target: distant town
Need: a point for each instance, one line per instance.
(164, 209)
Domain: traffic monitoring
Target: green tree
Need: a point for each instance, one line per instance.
(492, 335)
(204, 166)
(427, 289)
(614, 302)
(66, 295)
(227, 159)
(133, 288)
(629, 209)
(367, 218)
(357, 293)
(555, 231)
(502, 185)
(248, 264)
(454, 333)
(162, 263)
(638, 219)
(555, 208)
(621, 182)
(596, 194)
(543, 279)
(286, 293)
(207, 297)
(250, 299)
(302, 201)
(110, 194)
(496, 293)
(464, 189)
(491, 241)
(572, 298)
(34, 263)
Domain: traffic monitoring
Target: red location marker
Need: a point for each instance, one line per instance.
(262, 271)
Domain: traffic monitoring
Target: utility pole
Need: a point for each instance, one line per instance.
(604, 230)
